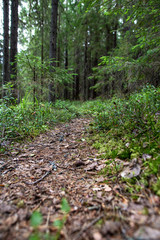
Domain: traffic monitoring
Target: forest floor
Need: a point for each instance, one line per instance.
(61, 164)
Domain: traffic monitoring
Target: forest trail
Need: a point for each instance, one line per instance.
(61, 164)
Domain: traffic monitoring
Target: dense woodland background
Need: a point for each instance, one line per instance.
(79, 49)
(97, 63)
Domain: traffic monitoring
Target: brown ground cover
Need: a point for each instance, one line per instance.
(61, 164)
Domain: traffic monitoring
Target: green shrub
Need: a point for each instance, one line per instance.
(131, 129)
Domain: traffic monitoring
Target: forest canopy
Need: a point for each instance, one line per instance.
(100, 48)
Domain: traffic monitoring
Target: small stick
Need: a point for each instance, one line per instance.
(3, 166)
(40, 179)
(36, 207)
(47, 222)
(87, 227)
(8, 170)
(3, 131)
(46, 174)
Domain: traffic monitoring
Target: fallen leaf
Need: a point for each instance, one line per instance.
(32, 155)
(100, 167)
(11, 220)
(23, 155)
(100, 179)
(91, 166)
(147, 233)
(5, 208)
(97, 236)
(133, 170)
(110, 227)
(156, 223)
(107, 188)
(146, 157)
(145, 144)
(104, 187)
(97, 189)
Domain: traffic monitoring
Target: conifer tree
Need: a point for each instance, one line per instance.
(5, 42)
(14, 45)
(53, 46)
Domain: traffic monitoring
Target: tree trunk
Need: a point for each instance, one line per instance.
(85, 84)
(34, 84)
(115, 36)
(14, 43)
(77, 71)
(66, 95)
(59, 40)
(5, 42)
(108, 39)
(53, 45)
(42, 49)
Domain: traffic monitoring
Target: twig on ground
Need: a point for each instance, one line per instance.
(3, 131)
(65, 233)
(47, 222)
(54, 166)
(40, 179)
(87, 227)
(37, 206)
(3, 166)
(9, 170)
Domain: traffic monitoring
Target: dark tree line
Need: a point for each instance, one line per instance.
(80, 50)
(9, 54)
(6, 41)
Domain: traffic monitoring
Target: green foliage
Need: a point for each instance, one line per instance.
(29, 119)
(156, 187)
(37, 219)
(7, 90)
(134, 61)
(127, 129)
(139, 112)
(35, 75)
(124, 128)
(59, 223)
(65, 206)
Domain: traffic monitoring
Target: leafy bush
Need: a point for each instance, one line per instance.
(139, 112)
(129, 128)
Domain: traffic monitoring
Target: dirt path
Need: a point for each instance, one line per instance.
(72, 166)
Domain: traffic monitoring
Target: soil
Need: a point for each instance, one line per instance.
(61, 164)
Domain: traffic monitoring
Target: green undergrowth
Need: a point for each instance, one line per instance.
(37, 220)
(128, 129)
(124, 128)
(28, 119)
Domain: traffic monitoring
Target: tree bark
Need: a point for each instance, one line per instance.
(53, 46)
(14, 43)
(85, 83)
(59, 40)
(77, 76)
(34, 84)
(108, 39)
(5, 42)
(66, 95)
(115, 36)
(42, 47)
